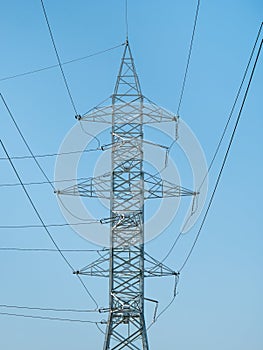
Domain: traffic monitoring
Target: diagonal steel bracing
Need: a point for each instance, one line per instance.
(127, 186)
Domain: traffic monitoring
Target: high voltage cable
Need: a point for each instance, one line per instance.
(69, 211)
(224, 132)
(126, 19)
(14, 184)
(49, 250)
(208, 170)
(94, 136)
(222, 167)
(52, 154)
(46, 309)
(97, 325)
(32, 156)
(61, 69)
(189, 57)
(233, 107)
(49, 225)
(224, 160)
(44, 226)
(48, 318)
(57, 65)
(162, 312)
(58, 58)
(25, 142)
(25, 183)
(187, 67)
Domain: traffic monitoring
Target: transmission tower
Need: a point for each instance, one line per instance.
(125, 262)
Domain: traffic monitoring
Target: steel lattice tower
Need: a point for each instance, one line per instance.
(127, 202)
(125, 263)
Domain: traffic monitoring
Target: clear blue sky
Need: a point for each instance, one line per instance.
(219, 303)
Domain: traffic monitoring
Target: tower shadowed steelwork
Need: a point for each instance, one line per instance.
(127, 186)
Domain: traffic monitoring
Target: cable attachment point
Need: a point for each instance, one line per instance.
(103, 309)
(78, 117)
(76, 272)
(176, 119)
(194, 203)
(155, 309)
(176, 280)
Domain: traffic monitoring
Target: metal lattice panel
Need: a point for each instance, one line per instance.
(155, 187)
(127, 186)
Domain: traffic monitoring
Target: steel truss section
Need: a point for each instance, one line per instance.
(100, 267)
(151, 113)
(154, 186)
(127, 186)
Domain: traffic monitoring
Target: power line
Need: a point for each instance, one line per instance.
(43, 224)
(49, 225)
(32, 156)
(157, 316)
(223, 134)
(57, 65)
(48, 318)
(69, 211)
(48, 250)
(233, 107)
(187, 68)
(189, 57)
(61, 69)
(15, 184)
(126, 19)
(162, 312)
(94, 136)
(100, 328)
(223, 164)
(58, 58)
(222, 167)
(224, 160)
(46, 309)
(24, 183)
(51, 154)
(25, 142)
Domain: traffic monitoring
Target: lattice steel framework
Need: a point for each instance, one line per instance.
(127, 186)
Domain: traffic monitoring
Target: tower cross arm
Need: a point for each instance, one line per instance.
(156, 187)
(95, 187)
(99, 187)
(150, 112)
(152, 267)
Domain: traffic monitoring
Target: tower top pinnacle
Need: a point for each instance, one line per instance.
(127, 84)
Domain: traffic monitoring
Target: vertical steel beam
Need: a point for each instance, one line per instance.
(126, 325)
